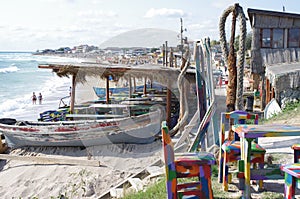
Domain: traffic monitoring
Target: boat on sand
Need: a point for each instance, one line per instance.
(139, 124)
(136, 129)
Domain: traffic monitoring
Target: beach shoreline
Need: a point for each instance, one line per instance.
(25, 179)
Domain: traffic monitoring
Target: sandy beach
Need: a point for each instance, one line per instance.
(117, 162)
(24, 179)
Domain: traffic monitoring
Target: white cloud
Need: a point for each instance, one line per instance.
(94, 13)
(164, 12)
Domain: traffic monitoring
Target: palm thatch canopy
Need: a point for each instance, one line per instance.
(82, 70)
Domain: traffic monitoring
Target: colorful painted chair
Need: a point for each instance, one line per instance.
(296, 148)
(186, 165)
(230, 149)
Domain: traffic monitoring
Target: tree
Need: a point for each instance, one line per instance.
(247, 42)
(153, 50)
(214, 43)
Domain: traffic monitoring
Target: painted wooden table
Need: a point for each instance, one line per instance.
(248, 133)
(291, 179)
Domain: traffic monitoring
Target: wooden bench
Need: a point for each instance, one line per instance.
(291, 179)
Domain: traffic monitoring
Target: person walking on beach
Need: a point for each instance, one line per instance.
(70, 91)
(33, 98)
(40, 98)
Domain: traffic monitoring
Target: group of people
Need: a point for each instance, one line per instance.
(34, 98)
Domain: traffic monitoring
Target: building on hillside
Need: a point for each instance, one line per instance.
(275, 55)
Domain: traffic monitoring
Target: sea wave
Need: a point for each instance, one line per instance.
(29, 57)
(14, 104)
(20, 107)
(9, 69)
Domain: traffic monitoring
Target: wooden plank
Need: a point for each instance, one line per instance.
(116, 193)
(52, 160)
(203, 127)
(107, 90)
(110, 106)
(113, 191)
(136, 183)
(94, 116)
(155, 171)
(187, 130)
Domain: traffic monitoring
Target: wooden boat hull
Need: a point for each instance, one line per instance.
(139, 130)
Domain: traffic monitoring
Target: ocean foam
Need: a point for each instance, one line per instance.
(20, 76)
(9, 69)
(22, 108)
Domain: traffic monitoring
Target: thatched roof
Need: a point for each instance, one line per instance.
(81, 70)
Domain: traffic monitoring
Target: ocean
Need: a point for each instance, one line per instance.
(20, 77)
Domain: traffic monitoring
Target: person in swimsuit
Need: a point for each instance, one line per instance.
(33, 98)
(40, 98)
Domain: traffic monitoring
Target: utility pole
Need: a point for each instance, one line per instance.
(181, 40)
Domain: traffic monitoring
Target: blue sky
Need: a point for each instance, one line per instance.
(29, 25)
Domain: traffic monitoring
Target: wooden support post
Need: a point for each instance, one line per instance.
(145, 86)
(171, 58)
(267, 91)
(163, 54)
(134, 84)
(168, 106)
(263, 92)
(272, 92)
(166, 56)
(72, 103)
(256, 80)
(130, 86)
(107, 90)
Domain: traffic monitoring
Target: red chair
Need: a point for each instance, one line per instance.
(186, 165)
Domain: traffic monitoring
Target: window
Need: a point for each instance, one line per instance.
(272, 38)
(293, 39)
(266, 38)
(277, 38)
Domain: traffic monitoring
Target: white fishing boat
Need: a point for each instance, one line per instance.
(136, 129)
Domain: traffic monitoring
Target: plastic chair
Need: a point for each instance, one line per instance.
(230, 148)
(196, 166)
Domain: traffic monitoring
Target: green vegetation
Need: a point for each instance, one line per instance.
(158, 190)
(247, 42)
(290, 111)
(154, 191)
(236, 42)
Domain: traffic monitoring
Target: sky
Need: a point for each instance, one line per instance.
(30, 25)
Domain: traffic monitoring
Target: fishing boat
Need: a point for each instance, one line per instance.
(109, 123)
(135, 129)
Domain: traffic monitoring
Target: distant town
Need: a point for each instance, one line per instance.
(90, 49)
(120, 55)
